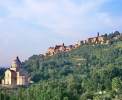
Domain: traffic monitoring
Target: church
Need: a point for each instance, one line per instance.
(15, 75)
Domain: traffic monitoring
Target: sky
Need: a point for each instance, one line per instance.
(29, 27)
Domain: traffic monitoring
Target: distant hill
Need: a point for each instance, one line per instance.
(91, 71)
(86, 57)
(88, 72)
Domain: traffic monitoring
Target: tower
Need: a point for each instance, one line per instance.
(63, 44)
(98, 34)
(16, 64)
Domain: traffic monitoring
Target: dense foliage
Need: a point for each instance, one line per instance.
(2, 70)
(91, 72)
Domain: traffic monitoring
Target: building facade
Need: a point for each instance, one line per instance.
(58, 49)
(97, 40)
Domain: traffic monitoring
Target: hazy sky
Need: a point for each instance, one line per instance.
(29, 27)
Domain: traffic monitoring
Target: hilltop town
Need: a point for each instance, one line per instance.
(16, 76)
(99, 39)
(92, 67)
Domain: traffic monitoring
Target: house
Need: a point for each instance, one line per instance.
(57, 49)
(69, 48)
(15, 75)
(97, 40)
(50, 51)
(60, 48)
(79, 43)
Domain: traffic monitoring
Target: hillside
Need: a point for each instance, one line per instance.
(89, 72)
(83, 59)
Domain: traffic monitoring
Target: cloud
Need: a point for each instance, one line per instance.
(64, 17)
(30, 26)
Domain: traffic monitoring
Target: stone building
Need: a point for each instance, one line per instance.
(79, 43)
(70, 47)
(59, 49)
(50, 51)
(97, 40)
(15, 75)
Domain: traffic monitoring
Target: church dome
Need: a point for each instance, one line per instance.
(16, 63)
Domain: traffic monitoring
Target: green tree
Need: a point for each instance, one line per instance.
(116, 84)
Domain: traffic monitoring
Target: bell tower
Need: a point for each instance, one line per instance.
(98, 34)
(16, 64)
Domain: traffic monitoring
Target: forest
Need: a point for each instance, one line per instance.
(90, 72)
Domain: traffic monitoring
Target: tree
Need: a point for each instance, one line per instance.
(116, 84)
(116, 33)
